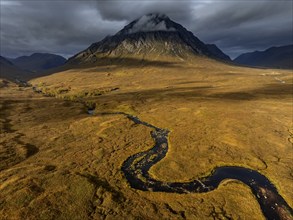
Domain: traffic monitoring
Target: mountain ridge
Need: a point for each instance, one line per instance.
(273, 57)
(11, 72)
(39, 61)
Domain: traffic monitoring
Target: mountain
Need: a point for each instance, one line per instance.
(10, 71)
(274, 57)
(4, 61)
(151, 35)
(216, 51)
(39, 61)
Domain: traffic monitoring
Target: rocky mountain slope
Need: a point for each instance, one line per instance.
(151, 35)
(217, 52)
(275, 57)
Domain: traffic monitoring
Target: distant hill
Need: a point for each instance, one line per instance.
(274, 57)
(11, 72)
(150, 36)
(39, 62)
(4, 61)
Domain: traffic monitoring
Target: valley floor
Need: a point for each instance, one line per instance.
(58, 162)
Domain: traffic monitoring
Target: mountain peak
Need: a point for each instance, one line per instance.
(152, 34)
(159, 16)
(148, 23)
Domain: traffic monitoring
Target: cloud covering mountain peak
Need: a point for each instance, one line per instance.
(148, 23)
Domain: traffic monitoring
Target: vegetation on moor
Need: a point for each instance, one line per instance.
(58, 162)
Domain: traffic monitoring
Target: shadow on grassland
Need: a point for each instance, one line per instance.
(96, 64)
(102, 64)
(39, 111)
(270, 91)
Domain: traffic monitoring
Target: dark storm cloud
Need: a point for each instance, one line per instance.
(130, 10)
(239, 27)
(63, 27)
(66, 27)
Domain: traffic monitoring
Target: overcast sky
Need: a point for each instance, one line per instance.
(67, 27)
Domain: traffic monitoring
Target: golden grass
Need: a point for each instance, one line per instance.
(218, 115)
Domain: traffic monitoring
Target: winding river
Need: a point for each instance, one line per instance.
(136, 168)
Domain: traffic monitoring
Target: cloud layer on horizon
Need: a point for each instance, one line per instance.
(67, 27)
